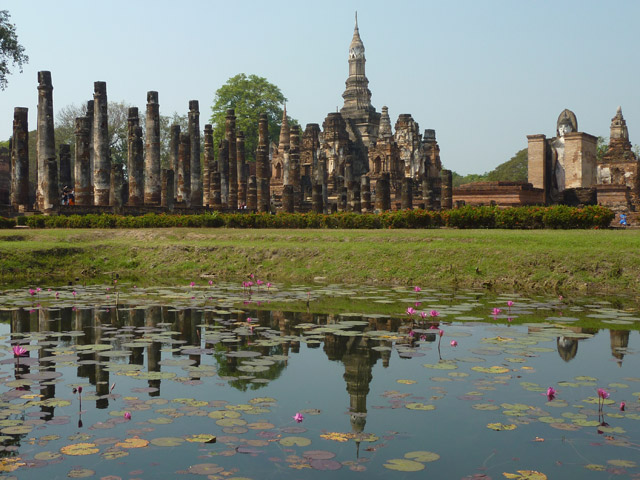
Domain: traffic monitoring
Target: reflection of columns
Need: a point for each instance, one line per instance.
(152, 189)
(194, 138)
(619, 342)
(153, 316)
(45, 137)
(567, 348)
(101, 159)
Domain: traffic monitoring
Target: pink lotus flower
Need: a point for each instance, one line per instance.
(32, 292)
(74, 293)
(269, 285)
(127, 415)
(417, 289)
(249, 319)
(434, 313)
(417, 304)
(510, 303)
(440, 332)
(603, 394)
(454, 343)
(298, 417)
(410, 311)
(251, 275)
(19, 351)
(57, 294)
(423, 315)
(249, 284)
(423, 337)
(622, 405)
(259, 282)
(411, 333)
(192, 284)
(551, 393)
(560, 297)
(210, 283)
(79, 389)
(496, 311)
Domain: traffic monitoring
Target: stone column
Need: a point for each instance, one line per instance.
(45, 138)
(316, 199)
(82, 167)
(51, 197)
(174, 145)
(135, 159)
(252, 194)
(90, 113)
(241, 169)
(152, 189)
(207, 163)
(342, 199)
(65, 166)
(427, 193)
(230, 135)
(196, 171)
(446, 195)
(355, 204)
(168, 195)
(294, 166)
(184, 169)
(263, 169)
(5, 175)
(383, 193)
(20, 158)
(407, 194)
(365, 193)
(223, 170)
(287, 199)
(101, 158)
(117, 187)
(216, 194)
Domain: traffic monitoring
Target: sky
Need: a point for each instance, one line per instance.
(482, 74)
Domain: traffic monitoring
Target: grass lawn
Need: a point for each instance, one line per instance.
(544, 261)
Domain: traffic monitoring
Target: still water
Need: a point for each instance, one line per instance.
(206, 380)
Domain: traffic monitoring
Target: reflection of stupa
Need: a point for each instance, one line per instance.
(567, 348)
(619, 340)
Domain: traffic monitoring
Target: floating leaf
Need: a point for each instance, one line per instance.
(420, 406)
(495, 369)
(501, 426)
(403, 465)
(622, 463)
(422, 456)
(80, 473)
(526, 475)
(167, 441)
(295, 441)
(80, 449)
(201, 438)
(134, 442)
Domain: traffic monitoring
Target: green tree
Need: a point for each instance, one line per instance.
(249, 96)
(602, 148)
(514, 170)
(11, 52)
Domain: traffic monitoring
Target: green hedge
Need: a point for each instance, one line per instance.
(465, 217)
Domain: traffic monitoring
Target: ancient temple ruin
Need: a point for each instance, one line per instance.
(354, 162)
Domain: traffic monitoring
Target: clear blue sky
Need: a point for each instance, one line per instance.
(482, 74)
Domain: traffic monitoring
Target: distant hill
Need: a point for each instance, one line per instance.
(514, 170)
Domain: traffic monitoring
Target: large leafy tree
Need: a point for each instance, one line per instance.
(11, 52)
(249, 96)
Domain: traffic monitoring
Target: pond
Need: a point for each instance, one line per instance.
(228, 381)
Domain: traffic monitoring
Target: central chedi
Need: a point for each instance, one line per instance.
(360, 115)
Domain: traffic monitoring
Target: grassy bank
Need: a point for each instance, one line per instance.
(544, 261)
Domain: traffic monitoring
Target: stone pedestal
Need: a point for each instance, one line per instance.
(152, 187)
(20, 159)
(101, 154)
(82, 167)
